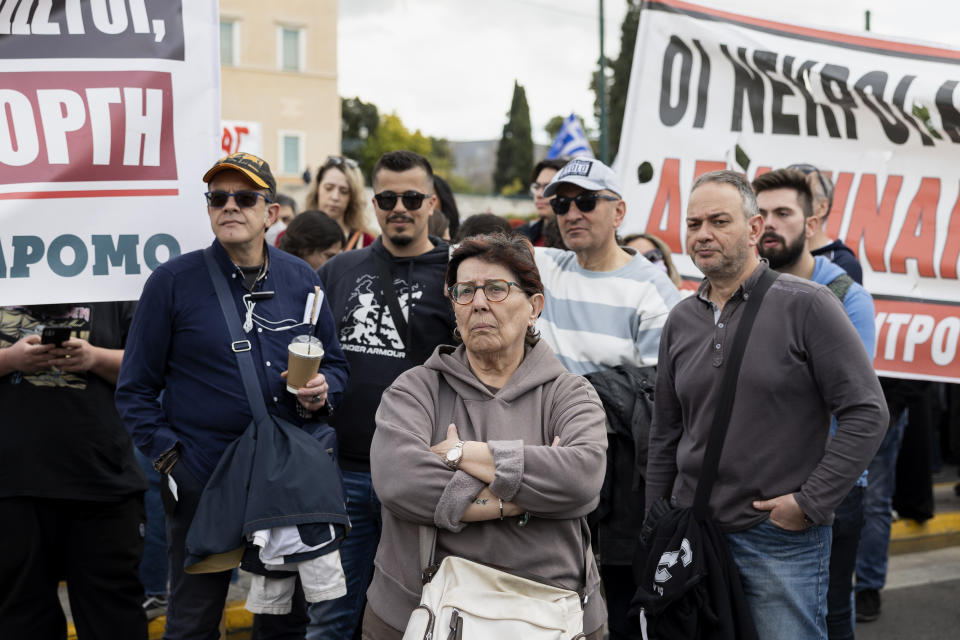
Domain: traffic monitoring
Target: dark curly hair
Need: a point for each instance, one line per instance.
(511, 251)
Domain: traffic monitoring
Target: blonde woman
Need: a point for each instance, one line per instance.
(338, 192)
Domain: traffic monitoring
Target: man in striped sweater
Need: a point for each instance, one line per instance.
(605, 304)
(605, 307)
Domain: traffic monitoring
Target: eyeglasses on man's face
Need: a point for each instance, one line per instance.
(245, 199)
(585, 201)
(412, 200)
(493, 291)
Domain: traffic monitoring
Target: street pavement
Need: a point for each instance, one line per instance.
(921, 600)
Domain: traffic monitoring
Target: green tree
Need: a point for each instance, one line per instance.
(622, 68)
(515, 152)
(358, 121)
(391, 135)
(553, 126)
(441, 157)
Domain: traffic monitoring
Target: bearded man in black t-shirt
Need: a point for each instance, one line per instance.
(71, 491)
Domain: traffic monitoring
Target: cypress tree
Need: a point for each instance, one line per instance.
(515, 152)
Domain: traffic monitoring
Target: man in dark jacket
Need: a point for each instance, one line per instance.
(180, 345)
(388, 303)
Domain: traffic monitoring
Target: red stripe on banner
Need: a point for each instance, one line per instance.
(917, 339)
(110, 193)
(820, 34)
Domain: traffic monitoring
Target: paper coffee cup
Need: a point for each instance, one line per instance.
(303, 361)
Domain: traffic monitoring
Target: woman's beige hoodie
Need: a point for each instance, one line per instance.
(559, 485)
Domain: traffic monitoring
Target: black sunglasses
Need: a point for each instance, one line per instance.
(586, 202)
(244, 199)
(412, 200)
(807, 169)
(339, 161)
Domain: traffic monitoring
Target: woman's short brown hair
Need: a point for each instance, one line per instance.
(511, 251)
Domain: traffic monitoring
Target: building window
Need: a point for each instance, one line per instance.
(290, 48)
(292, 150)
(229, 42)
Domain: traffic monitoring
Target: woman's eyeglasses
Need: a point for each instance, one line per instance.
(493, 291)
(412, 200)
(244, 199)
(586, 202)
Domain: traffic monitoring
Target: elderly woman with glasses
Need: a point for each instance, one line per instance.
(338, 192)
(493, 442)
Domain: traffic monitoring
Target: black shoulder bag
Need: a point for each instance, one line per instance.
(275, 474)
(683, 564)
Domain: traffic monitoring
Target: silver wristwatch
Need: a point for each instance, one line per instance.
(454, 456)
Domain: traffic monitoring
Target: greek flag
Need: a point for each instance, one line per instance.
(571, 140)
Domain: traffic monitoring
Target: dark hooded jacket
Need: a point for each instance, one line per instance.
(375, 350)
(627, 396)
(842, 256)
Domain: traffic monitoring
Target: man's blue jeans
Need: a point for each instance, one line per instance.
(337, 619)
(877, 510)
(154, 569)
(785, 576)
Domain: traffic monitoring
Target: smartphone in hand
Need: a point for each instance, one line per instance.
(54, 335)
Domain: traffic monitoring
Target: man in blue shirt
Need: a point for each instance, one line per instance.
(786, 204)
(179, 345)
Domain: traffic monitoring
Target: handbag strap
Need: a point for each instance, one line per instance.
(352, 242)
(240, 345)
(728, 390)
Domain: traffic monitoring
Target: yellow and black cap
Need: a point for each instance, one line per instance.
(249, 165)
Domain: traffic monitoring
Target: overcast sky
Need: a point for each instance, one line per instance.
(447, 67)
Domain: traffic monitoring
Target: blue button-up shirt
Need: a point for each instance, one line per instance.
(179, 344)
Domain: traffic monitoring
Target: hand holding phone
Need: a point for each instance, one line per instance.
(54, 335)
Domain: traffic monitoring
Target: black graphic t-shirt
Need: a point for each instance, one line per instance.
(374, 347)
(60, 435)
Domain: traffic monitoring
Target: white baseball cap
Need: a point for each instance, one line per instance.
(589, 173)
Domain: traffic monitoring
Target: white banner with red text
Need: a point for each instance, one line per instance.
(109, 116)
(712, 90)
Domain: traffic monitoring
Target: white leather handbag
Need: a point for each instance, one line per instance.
(465, 600)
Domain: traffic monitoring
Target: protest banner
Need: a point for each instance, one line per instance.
(109, 115)
(241, 135)
(712, 89)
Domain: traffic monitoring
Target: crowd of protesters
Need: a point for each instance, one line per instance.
(478, 376)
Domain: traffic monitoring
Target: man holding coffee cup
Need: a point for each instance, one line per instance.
(179, 344)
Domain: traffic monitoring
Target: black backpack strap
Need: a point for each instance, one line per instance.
(728, 390)
(393, 303)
